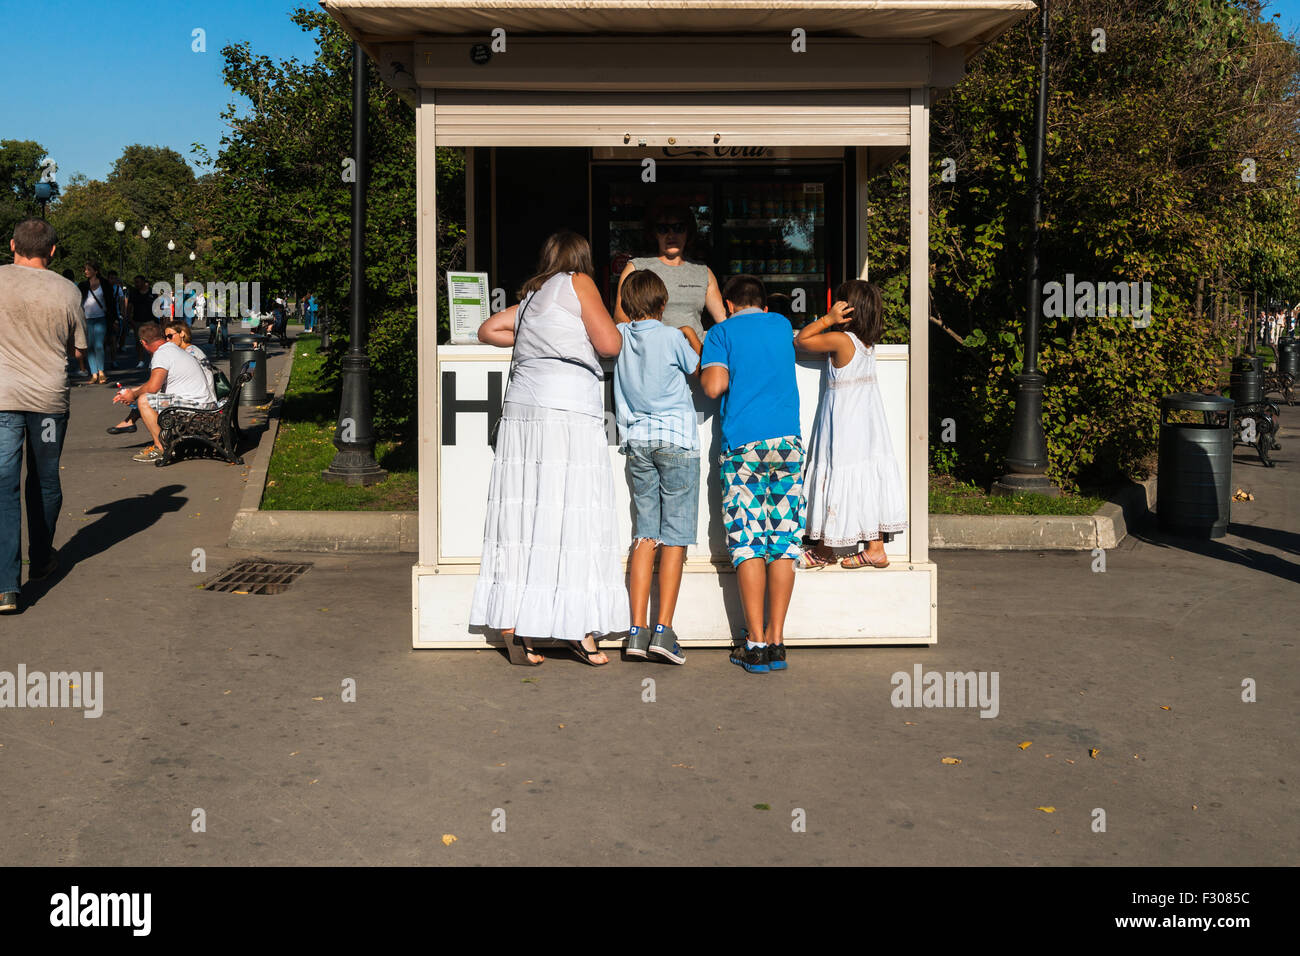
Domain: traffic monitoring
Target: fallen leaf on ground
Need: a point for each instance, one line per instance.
(225, 692)
(1046, 809)
(1068, 760)
(295, 753)
(1193, 805)
(528, 680)
(910, 723)
(685, 766)
(1093, 753)
(1025, 744)
(310, 782)
(950, 760)
(762, 806)
(448, 839)
(318, 698)
(1165, 707)
(1046, 755)
(561, 726)
(500, 765)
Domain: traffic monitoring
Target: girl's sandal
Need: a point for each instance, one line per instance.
(812, 561)
(860, 560)
(519, 651)
(585, 655)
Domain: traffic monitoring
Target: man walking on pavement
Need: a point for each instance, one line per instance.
(40, 317)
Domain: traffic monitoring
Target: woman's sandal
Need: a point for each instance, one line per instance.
(860, 560)
(585, 655)
(519, 651)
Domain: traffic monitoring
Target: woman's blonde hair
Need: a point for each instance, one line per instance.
(183, 329)
(562, 252)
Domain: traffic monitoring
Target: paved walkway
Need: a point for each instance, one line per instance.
(232, 704)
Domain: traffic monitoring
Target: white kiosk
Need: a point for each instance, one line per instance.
(650, 74)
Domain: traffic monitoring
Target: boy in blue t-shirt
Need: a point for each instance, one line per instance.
(749, 361)
(657, 425)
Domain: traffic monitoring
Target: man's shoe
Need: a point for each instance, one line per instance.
(152, 453)
(664, 644)
(36, 574)
(638, 640)
(8, 602)
(776, 657)
(753, 659)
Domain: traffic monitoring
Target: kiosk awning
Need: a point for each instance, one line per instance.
(969, 23)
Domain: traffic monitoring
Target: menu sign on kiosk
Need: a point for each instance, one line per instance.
(467, 296)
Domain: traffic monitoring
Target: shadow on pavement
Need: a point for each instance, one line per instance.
(1246, 557)
(122, 519)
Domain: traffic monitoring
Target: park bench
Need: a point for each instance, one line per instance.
(1255, 424)
(1276, 380)
(216, 428)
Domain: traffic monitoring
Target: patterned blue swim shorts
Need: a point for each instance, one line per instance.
(762, 499)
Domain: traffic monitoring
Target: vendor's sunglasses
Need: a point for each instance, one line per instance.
(667, 228)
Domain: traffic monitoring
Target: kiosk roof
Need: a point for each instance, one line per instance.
(948, 22)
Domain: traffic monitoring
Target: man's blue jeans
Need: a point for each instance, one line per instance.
(43, 433)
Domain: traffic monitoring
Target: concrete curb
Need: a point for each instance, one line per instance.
(257, 471)
(1105, 528)
(346, 532)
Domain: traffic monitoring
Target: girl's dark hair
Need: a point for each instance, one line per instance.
(868, 318)
(93, 264)
(668, 210)
(562, 252)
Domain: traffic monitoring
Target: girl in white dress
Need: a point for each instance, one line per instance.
(552, 560)
(851, 482)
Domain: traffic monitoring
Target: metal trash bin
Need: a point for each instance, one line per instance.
(1247, 380)
(1288, 356)
(249, 348)
(1194, 481)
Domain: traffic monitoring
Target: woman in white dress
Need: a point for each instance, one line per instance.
(851, 482)
(552, 564)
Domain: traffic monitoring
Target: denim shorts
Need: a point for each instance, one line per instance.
(665, 491)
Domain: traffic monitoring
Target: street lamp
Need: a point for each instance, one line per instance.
(120, 226)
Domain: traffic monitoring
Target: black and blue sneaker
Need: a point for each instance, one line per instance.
(638, 639)
(753, 659)
(776, 656)
(664, 644)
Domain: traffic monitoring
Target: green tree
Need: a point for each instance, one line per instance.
(279, 204)
(1146, 181)
(20, 163)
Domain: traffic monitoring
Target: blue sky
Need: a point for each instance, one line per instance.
(86, 78)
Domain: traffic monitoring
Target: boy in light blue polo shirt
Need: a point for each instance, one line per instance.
(657, 427)
(749, 361)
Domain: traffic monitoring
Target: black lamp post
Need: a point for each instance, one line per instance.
(120, 226)
(1027, 454)
(354, 436)
(44, 192)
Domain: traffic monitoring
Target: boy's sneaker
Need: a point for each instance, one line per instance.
(638, 640)
(753, 659)
(664, 643)
(776, 656)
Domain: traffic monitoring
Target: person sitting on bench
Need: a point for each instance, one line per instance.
(176, 379)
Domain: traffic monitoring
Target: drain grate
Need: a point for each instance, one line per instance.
(257, 576)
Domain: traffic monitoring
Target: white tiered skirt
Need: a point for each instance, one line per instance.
(551, 565)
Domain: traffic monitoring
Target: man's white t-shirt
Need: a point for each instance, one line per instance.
(186, 378)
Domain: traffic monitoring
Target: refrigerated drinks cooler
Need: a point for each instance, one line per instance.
(781, 223)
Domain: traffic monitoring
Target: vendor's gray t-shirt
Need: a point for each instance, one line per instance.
(687, 284)
(40, 316)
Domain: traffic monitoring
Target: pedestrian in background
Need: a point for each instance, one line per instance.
(139, 301)
(100, 308)
(40, 318)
